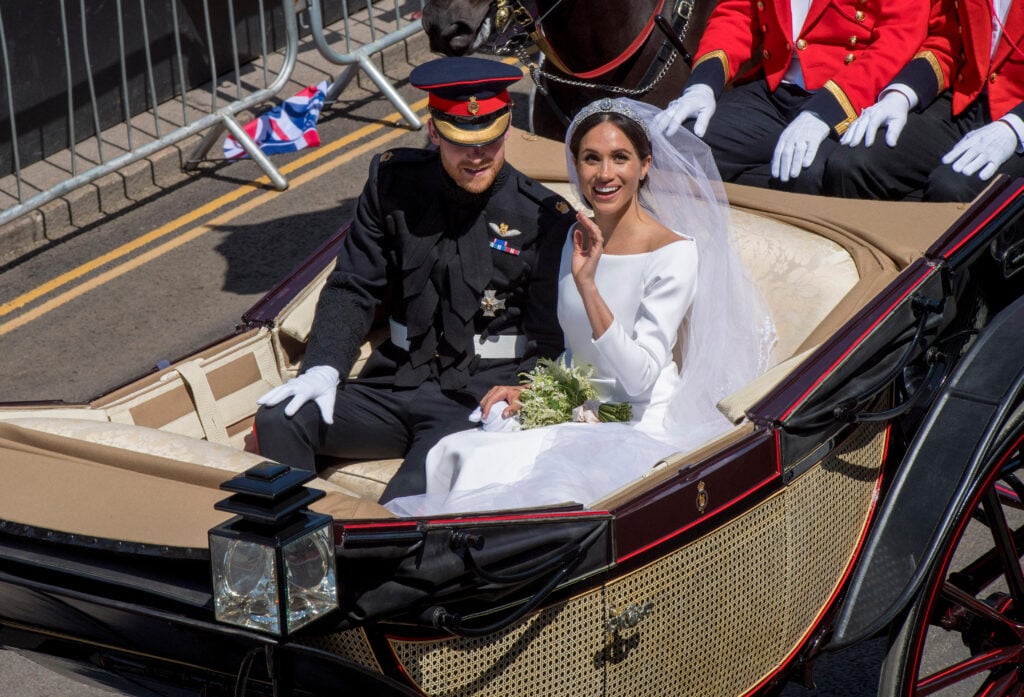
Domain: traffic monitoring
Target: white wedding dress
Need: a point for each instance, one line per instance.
(648, 294)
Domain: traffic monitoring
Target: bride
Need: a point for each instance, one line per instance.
(649, 276)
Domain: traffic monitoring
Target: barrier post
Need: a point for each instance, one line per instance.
(360, 58)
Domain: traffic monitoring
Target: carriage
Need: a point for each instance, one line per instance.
(869, 485)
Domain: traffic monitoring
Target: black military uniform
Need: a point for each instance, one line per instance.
(470, 282)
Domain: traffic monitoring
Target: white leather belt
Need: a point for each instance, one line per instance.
(500, 346)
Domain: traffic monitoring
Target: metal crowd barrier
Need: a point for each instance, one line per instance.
(358, 54)
(161, 125)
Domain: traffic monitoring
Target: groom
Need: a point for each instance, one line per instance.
(465, 249)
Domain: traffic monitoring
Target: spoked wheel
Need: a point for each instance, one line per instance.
(964, 635)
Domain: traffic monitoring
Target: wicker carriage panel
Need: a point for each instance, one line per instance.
(728, 609)
(556, 652)
(711, 604)
(352, 644)
(827, 510)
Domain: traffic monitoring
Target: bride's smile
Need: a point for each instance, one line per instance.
(610, 169)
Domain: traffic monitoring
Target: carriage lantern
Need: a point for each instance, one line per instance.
(273, 563)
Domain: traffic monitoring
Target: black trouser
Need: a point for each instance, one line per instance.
(371, 421)
(745, 129)
(913, 170)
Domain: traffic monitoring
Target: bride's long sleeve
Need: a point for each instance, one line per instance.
(639, 348)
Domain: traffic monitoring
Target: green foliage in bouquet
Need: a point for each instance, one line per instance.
(609, 411)
(556, 389)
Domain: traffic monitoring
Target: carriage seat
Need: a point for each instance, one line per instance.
(354, 501)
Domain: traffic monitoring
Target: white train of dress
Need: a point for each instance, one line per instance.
(649, 294)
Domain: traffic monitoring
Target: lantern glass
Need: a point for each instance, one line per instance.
(245, 583)
(311, 588)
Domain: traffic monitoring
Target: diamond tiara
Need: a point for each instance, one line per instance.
(608, 105)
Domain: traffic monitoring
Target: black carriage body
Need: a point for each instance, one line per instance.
(716, 574)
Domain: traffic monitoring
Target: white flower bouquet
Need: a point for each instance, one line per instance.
(558, 393)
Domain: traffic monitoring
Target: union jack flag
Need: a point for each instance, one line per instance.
(285, 128)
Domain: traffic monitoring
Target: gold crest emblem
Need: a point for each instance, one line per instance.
(562, 207)
(386, 156)
(474, 106)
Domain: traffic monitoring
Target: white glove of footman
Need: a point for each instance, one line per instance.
(697, 102)
(319, 384)
(798, 145)
(984, 148)
(890, 113)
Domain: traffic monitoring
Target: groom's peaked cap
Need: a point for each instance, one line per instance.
(469, 99)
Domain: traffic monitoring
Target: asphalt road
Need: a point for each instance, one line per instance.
(177, 271)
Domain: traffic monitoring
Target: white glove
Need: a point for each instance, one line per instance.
(798, 145)
(318, 384)
(890, 112)
(698, 101)
(495, 422)
(984, 148)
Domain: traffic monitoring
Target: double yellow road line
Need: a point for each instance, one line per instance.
(179, 232)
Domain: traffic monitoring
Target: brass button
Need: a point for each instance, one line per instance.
(960, 77)
(859, 15)
(853, 40)
(849, 58)
(992, 77)
(760, 5)
(766, 54)
(764, 28)
(801, 44)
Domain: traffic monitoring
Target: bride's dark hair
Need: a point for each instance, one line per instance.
(632, 130)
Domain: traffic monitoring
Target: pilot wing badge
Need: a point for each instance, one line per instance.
(503, 231)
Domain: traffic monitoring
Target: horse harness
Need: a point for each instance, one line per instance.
(509, 13)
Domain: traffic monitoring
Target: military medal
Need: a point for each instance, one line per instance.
(490, 303)
(503, 246)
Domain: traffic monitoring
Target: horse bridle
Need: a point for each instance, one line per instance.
(506, 10)
(517, 13)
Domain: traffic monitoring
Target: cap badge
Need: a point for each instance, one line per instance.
(385, 156)
(503, 230)
(473, 106)
(490, 303)
(562, 207)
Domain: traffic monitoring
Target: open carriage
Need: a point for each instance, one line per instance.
(869, 484)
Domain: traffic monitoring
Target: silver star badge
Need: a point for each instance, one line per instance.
(490, 303)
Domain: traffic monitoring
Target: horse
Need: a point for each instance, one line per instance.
(588, 49)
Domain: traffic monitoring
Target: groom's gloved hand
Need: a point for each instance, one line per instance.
(319, 384)
(495, 421)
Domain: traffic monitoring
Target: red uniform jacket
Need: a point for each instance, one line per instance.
(932, 68)
(961, 47)
(849, 49)
(1002, 74)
